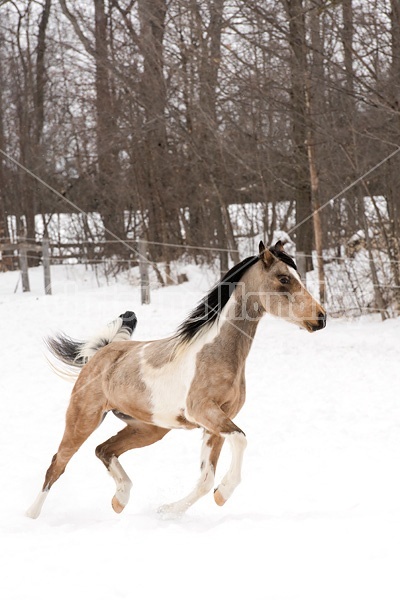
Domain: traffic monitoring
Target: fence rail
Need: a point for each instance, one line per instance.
(350, 289)
(16, 255)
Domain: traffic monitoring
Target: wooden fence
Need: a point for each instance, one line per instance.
(14, 255)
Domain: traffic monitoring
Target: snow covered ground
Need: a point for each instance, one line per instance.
(317, 516)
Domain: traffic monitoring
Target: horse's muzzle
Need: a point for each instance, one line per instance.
(320, 322)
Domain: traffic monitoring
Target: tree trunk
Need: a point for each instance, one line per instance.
(394, 164)
(347, 41)
(316, 214)
(393, 179)
(298, 67)
(207, 138)
(315, 87)
(3, 211)
(355, 216)
(40, 74)
(35, 155)
(157, 161)
(107, 160)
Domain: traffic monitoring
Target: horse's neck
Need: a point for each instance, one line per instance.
(240, 325)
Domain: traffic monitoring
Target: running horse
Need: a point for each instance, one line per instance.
(195, 378)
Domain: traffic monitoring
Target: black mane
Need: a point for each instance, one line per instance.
(210, 307)
(283, 257)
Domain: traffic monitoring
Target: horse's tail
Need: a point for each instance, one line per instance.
(75, 354)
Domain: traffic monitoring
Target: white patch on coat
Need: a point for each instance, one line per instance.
(295, 274)
(169, 384)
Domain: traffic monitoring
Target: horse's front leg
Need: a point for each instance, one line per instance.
(218, 427)
(232, 478)
(211, 449)
(214, 419)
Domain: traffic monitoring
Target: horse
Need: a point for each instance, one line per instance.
(192, 379)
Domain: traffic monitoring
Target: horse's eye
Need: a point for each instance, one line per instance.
(284, 279)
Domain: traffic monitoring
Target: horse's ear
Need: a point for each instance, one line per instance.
(267, 257)
(261, 247)
(279, 246)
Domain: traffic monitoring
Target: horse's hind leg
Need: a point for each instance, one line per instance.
(135, 435)
(81, 421)
(210, 451)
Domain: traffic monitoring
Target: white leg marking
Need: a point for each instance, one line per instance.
(122, 482)
(34, 511)
(204, 484)
(232, 478)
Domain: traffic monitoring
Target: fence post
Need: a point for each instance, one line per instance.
(144, 272)
(46, 265)
(301, 261)
(23, 265)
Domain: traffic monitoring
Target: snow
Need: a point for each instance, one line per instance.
(317, 515)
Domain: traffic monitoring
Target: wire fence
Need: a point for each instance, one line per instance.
(350, 288)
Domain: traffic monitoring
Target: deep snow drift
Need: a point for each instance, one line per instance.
(317, 516)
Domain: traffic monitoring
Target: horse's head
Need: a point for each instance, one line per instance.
(282, 292)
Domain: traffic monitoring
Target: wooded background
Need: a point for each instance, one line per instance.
(159, 115)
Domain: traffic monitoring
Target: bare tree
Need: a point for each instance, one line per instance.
(295, 11)
(157, 162)
(171, 118)
(315, 91)
(27, 85)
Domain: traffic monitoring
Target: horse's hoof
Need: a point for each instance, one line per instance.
(32, 512)
(116, 504)
(218, 497)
